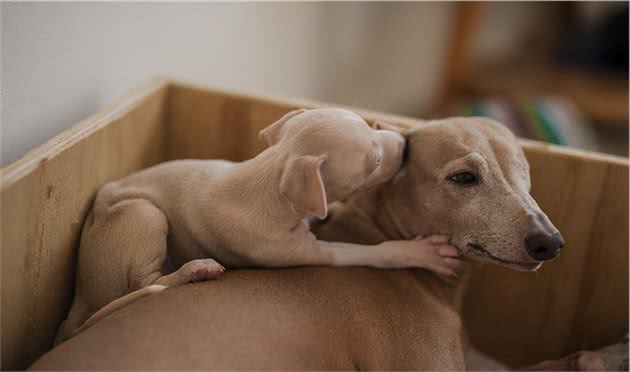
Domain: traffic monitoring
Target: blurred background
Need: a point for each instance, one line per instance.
(556, 72)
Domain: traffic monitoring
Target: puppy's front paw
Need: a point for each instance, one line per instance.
(434, 253)
(203, 269)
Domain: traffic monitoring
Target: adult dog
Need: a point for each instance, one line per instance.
(467, 178)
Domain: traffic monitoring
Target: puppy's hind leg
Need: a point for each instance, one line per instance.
(121, 255)
(123, 248)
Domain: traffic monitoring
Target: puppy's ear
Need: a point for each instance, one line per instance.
(302, 185)
(385, 126)
(271, 135)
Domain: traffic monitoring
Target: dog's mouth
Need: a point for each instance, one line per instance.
(478, 251)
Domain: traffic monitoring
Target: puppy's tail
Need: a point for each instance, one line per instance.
(117, 304)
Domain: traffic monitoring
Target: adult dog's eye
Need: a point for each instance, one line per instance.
(464, 178)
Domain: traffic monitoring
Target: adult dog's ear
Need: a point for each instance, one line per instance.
(303, 186)
(271, 135)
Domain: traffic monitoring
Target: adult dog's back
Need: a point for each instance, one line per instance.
(303, 318)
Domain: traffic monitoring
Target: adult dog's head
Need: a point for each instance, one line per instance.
(468, 178)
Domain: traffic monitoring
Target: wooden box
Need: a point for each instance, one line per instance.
(579, 301)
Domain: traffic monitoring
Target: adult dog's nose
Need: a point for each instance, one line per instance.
(544, 246)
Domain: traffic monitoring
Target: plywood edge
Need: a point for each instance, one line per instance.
(66, 139)
(563, 151)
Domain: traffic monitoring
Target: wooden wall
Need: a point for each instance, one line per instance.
(579, 301)
(44, 199)
(219, 124)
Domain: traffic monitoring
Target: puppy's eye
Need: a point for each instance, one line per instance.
(378, 161)
(464, 178)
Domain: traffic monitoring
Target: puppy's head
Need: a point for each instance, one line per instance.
(330, 154)
(468, 177)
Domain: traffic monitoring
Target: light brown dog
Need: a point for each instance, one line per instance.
(465, 177)
(197, 216)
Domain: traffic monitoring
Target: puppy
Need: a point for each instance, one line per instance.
(185, 221)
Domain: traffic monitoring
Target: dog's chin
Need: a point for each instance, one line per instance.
(477, 253)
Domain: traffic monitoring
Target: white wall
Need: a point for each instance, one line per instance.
(61, 62)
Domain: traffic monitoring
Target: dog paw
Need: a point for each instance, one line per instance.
(206, 269)
(434, 253)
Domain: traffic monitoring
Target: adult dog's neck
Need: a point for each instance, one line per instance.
(379, 206)
(375, 206)
(373, 216)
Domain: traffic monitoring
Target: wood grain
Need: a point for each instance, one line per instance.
(44, 199)
(578, 301)
(206, 123)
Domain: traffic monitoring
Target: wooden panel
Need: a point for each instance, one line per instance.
(205, 124)
(44, 198)
(579, 301)
(209, 124)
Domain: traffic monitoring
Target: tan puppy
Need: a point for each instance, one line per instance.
(198, 216)
(350, 318)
